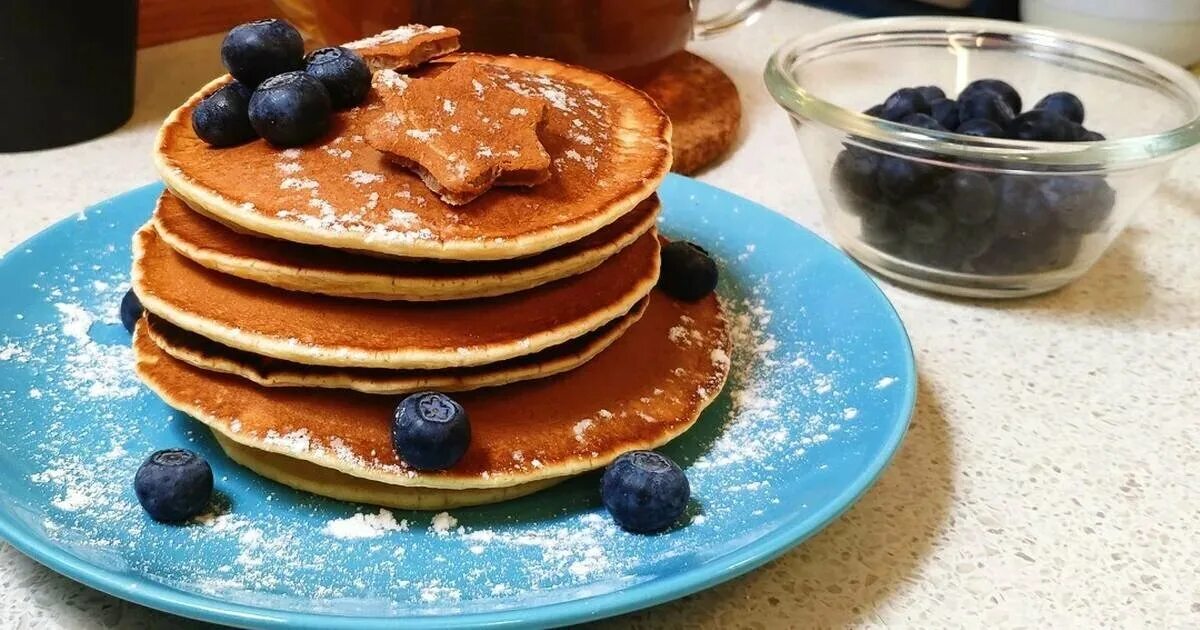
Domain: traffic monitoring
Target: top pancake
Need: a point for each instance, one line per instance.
(609, 146)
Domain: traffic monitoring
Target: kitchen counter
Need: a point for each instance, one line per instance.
(1050, 477)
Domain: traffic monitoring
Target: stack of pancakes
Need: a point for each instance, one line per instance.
(293, 297)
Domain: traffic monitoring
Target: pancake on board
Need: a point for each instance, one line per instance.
(647, 388)
(323, 330)
(210, 355)
(315, 269)
(609, 146)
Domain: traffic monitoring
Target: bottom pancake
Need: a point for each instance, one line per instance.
(647, 388)
(328, 482)
(204, 353)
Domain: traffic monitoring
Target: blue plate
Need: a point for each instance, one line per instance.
(820, 396)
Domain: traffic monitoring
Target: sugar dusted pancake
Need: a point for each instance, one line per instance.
(329, 271)
(609, 146)
(205, 353)
(302, 475)
(645, 389)
(323, 330)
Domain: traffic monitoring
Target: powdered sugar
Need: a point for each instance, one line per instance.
(365, 525)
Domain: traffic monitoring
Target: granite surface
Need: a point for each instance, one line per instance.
(1050, 478)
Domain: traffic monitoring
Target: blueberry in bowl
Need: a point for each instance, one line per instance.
(987, 186)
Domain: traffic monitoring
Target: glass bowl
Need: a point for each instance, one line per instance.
(978, 216)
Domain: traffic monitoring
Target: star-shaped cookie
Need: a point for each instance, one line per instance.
(406, 47)
(462, 133)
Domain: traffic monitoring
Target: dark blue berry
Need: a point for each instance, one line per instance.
(290, 109)
(173, 485)
(1005, 91)
(430, 431)
(899, 178)
(902, 103)
(1041, 125)
(880, 226)
(931, 93)
(968, 242)
(688, 273)
(945, 111)
(1080, 203)
(969, 197)
(131, 310)
(644, 491)
(874, 111)
(924, 121)
(1064, 104)
(223, 118)
(986, 105)
(344, 73)
(980, 128)
(854, 177)
(1020, 208)
(925, 223)
(1091, 136)
(256, 51)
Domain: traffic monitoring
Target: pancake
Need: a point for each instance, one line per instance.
(609, 145)
(205, 353)
(314, 269)
(645, 389)
(323, 330)
(328, 482)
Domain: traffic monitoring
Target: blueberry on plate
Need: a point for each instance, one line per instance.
(945, 111)
(173, 485)
(931, 93)
(1005, 91)
(986, 105)
(688, 273)
(344, 73)
(980, 128)
(131, 310)
(1043, 126)
(903, 102)
(291, 109)
(644, 491)
(256, 51)
(924, 121)
(899, 178)
(430, 431)
(969, 197)
(222, 119)
(1064, 104)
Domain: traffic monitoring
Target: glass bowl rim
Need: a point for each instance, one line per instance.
(1103, 155)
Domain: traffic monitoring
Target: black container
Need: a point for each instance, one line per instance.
(66, 70)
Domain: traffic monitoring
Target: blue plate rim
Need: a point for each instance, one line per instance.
(722, 569)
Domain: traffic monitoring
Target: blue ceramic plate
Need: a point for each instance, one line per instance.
(820, 395)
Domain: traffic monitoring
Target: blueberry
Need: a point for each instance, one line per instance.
(256, 51)
(880, 227)
(995, 86)
(1091, 136)
(980, 128)
(1020, 209)
(344, 73)
(1080, 203)
(945, 111)
(854, 177)
(968, 242)
(430, 431)
(644, 491)
(924, 121)
(931, 93)
(131, 310)
(1064, 104)
(970, 197)
(874, 111)
(290, 109)
(1041, 125)
(986, 105)
(902, 103)
(688, 272)
(173, 485)
(223, 118)
(899, 178)
(925, 224)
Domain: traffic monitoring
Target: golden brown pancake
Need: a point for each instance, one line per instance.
(328, 482)
(210, 355)
(323, 330)
(329, 271)
(645, 389)
(609, 146)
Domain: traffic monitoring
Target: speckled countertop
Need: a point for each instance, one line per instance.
(1050, 478)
